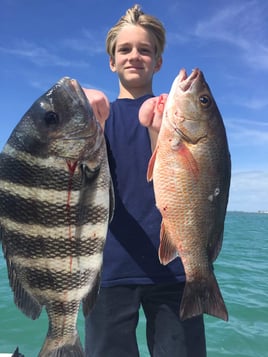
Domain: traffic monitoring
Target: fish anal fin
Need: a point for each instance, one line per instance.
(187, 160)
(151, 165)
(203, 297)
(167, 252)
(24, 300)
(90, 299)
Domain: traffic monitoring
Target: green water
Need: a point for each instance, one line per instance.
(242, 273)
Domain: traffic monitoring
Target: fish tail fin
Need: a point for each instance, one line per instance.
(203, 297)
(71, 347)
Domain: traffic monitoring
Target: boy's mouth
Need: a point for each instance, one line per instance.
(134, 67)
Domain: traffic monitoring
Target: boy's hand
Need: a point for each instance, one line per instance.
(151, 111)
(99, 103)
(150, 115)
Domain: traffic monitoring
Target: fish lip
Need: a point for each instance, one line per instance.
(70, 84)
(186, 82)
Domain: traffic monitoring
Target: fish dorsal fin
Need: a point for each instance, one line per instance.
(167, 252)
(214, 247)
(151, 165)
(112, 201)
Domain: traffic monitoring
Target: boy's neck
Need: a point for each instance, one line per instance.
(133, 93)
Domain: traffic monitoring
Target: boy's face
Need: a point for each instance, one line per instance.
(135, 60)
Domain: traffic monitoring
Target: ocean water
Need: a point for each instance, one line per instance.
(242, 273)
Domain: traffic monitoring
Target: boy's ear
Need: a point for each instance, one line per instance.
(112, 64)
(158, 64)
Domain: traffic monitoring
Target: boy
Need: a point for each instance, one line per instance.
(132, 275)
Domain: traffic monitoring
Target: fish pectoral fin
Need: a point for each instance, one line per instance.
(88, 173)
(151, 165)
(187, 160)
(167, 252)
(90, 299)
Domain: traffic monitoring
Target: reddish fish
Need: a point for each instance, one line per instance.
(191, 170)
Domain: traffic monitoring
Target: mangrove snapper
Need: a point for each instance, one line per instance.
(191, 169)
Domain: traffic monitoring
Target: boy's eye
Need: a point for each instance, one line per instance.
(142, 50)
(123, 49)
(145, 50)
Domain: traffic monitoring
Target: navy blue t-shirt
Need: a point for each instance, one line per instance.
(131, 249)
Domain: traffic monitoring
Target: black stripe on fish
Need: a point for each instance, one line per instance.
(55, 309)
(30, 144)
(49, 247)
(64, 307)
(31, 211)
(30, 175)
(56, 281)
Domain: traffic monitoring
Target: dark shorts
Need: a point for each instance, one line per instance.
(111, 326)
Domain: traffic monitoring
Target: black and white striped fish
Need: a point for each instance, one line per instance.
(56, 199)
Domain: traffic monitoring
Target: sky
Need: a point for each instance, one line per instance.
(40, 42)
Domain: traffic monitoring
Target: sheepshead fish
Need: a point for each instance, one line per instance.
(56, 200)
(191, 170)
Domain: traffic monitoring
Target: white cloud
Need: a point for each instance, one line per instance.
(175, 38)
(254, 103)
(257, 56)
(249, 191)
(89, 42)
(242, 25)
(40, 56)
(243, 132)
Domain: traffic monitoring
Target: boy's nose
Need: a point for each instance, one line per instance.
(134, 54)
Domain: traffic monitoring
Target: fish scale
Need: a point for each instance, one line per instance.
(56, 200)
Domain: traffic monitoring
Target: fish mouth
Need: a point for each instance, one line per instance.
(73, 88)
(186, 82)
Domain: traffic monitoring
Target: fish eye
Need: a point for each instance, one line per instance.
(205, 100)
(51, 118)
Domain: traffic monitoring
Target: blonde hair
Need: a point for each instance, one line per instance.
(135, 16)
